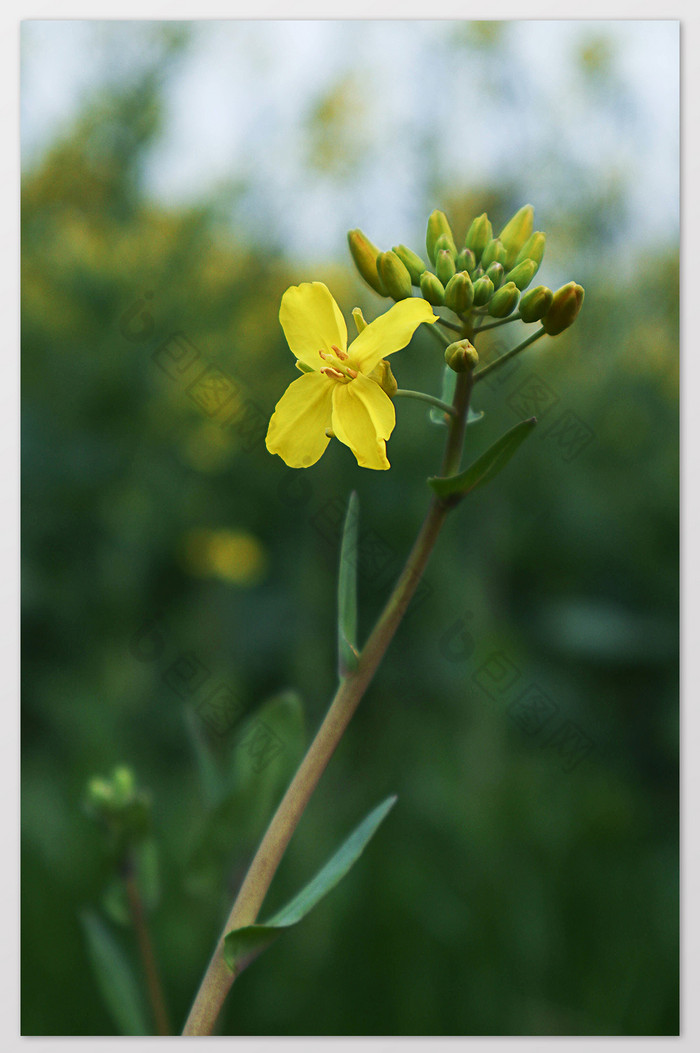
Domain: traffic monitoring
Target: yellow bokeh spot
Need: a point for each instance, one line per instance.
(233, 556)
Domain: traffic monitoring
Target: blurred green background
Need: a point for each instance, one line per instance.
(527, 713)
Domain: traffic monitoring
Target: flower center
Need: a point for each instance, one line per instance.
(336, 367)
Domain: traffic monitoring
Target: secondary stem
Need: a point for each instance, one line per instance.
(219, 978)
(148, 958)
(422, 397)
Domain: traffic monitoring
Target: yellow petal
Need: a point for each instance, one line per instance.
(297, 430)
(312, 322)
(388, 333)
(363, 418)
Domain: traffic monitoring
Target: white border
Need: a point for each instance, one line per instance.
(9, 447)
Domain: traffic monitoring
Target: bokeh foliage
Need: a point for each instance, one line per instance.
(505, 894)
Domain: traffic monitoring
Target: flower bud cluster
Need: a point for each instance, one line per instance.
(487, 274)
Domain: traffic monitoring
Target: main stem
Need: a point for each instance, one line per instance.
(218, 978)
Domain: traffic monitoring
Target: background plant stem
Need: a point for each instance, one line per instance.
(148, 958)
(218, 978)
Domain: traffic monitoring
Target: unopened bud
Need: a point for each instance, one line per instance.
(496, 273)
(461, 356)
(466, 261)
(483, 291)
(385, 378)
(516, 232)
(394, 276)
(444, 265)
(124, 785)
(479, 235)
(459, 293)
(411, 261)
(365, 254)
(432, 289)
(535, 303)
(523, 274)
(437, 224)
(566, 304)
(504, 302)
(494, 252)
(445, 242)
(533, 249)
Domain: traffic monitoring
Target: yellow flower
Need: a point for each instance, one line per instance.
(337, 393)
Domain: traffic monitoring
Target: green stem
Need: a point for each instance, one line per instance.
(422, 397)
(218, 978)
(494, 325)
(485, 370)
(440, 337)
(148, 958)
(450, 325)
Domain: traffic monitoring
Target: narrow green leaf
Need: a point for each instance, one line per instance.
(115, 978)
(447, 394)
(347, 590)
(487, 466)
(473, 416)
(242, 946)
(211, 777)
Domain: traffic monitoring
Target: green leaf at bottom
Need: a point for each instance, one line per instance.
(242, 946)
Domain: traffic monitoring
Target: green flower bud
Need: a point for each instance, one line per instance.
(535, 303)
(385, 378)
(466, 261)
(394, 276)
(523, 274)
(479, 235)
(124, 785)
(461, 356)
(437, 225)
(504, 302)
(483, 291)
(432, 289)
(533, 249)
(411, 261)
(99, 795)
(444, 265)
(516, 232)
(565, 305)
(445, 242)
(494, 252)
(459, 293)
(365, 254)
(496, 273)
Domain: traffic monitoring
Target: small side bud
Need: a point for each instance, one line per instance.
(564, 308)
(359, 319)
(411, 261)
(437, 224)
(504, 302)
(523, 274)
(459, 293)
(432, 289)
(466, 261)
(533, 249)
(445, 243)
(385, 378)
(394, 276)
(461, 356)
(444, 265)
(535, 303)
(483, 291)
(516, 232)
(496, 273)
(479, 235)
(365, 254)
(494, 252)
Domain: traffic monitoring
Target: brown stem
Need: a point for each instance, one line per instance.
(148, 958)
